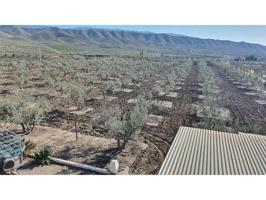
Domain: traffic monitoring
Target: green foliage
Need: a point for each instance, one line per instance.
(5, 111)
(29, 147)
(42, 157)
(77, 93)
(112, 119)
(170, 79)
(156, 91)
(52, 77)
(156, 106)
(135, 148)
(65, 68)
(21, 76)
(116, 128)
(124, 83)
(138, 115)
(62, 47)
(210, 108)
(131, 127)
(106, 113)
(27, 111)
(123, 126)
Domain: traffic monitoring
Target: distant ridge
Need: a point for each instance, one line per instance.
(131, 40)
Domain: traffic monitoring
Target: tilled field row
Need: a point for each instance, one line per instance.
(162, 136)
(245, 111)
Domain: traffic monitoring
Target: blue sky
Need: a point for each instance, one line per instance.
(252, 34)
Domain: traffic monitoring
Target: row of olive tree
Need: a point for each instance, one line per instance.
(210, 108)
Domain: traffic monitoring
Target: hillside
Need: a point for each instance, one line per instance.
(91, 38)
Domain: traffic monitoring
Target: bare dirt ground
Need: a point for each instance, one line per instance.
(95, 151)
(247, 114)
(160, 138)
(30, 168)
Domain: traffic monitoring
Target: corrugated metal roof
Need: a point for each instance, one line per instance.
(204, 152)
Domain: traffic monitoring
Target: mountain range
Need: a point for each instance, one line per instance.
(102, 38)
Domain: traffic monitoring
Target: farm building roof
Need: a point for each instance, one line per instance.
(205, 152)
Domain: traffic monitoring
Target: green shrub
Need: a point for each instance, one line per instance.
(42, 157)
(29, 146)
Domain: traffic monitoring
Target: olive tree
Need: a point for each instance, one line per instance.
(170, 79)
(156, 90)
(123, 126)
(124, 83)
(116, 128)
(65, 68)
(27, 111)
(77, 93)
(21, 76)
(4, 109)
(107, 88)
(112, 120)
(52, 79)
(126, 129)
(137, 119)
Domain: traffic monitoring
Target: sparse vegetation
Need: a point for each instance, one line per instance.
(135, 100)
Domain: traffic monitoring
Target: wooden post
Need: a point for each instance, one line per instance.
(76, 129)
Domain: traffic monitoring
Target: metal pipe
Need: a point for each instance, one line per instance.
(78, 165)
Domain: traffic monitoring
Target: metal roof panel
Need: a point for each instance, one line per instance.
(205, 152)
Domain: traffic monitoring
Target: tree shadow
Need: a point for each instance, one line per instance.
(93, 156)
(28, 166)
(5, 92)
(49, 97)
(35, 79)
(55, 116)
(39, 85)
(7, 84)
(102, 158)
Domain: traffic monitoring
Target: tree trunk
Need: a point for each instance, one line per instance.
(124, 142)
(76, 130)
(23, 127)
(33, 126)
(118, 143)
